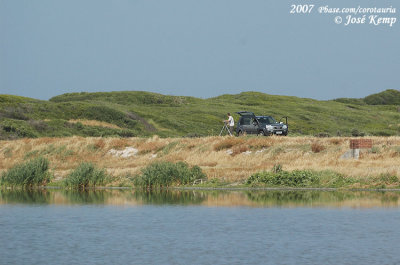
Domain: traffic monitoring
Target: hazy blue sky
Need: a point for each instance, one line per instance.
(201, 48)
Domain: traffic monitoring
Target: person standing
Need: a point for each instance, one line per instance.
(230, 123)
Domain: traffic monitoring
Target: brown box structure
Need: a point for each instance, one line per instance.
(360, 143)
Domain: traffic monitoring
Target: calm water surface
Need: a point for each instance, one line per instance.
(193, 227)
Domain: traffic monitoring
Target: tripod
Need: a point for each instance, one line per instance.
(225, 127)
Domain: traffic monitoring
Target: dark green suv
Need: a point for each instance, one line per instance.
(271, 126)
(260, 125)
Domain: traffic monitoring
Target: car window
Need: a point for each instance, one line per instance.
(246, 121)
(266, 120)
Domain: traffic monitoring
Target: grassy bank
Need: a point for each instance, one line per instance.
(135, 113)
(224, 160)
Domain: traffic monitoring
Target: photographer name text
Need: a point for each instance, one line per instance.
(376, 16)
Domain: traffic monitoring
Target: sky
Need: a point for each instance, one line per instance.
(200, 48)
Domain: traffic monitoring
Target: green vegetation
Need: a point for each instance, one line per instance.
(85, 176)
(161, 175)
(319, 179)
(387, 97)
(297, 178)
(136, 113)
(28, 174)
(164, 174)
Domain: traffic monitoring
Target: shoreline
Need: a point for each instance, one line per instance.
(225, 160)
(188, 188)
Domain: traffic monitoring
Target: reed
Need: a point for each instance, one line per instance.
(296, 178)
(29, 174)
(86, 175)
(164, 174)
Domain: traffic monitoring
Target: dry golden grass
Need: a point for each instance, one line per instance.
(151, 146)
(248, 155)
(317, 147)
(227, 143)
(96, 123)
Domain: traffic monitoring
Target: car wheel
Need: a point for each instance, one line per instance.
(240, 133)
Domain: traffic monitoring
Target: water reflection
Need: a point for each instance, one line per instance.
(326, 198)
(169, 197)
(86, 197)
(25, 196)
(269, 198)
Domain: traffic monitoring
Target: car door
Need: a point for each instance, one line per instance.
(248, 122)
(245, 124)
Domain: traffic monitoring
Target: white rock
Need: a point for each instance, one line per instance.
(127, 152)
(229, 151)
(260, 151)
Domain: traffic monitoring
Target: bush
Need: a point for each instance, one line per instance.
(28, 174)
(38, 125)
(164, 174)
(296, 178)
(357, 133)
(103, 113)
(18, 128)
(374, 150)
(317, 147)
(85, 176)
(227, 143)
(322, 135)
(277, 168)
(15, 113)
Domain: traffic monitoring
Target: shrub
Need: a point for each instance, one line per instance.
(277, 168)
(85, 176)
(28, 174)
(16, 113)
(323, 135)
(103, 113)
(100, 144)
(317, 147)
(374, 150)
(296, 178)
(38, 125)
(388, 178)
(227, 143)
(357, 133)
(19, 128)
(167, 149)
(164, 174)
(381, 133)
(336, 141)
(240, 149)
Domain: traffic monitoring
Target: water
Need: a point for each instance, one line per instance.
(265, 227)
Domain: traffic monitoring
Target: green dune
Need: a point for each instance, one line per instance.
(145, 114)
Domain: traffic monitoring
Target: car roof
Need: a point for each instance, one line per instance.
(245, 113)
